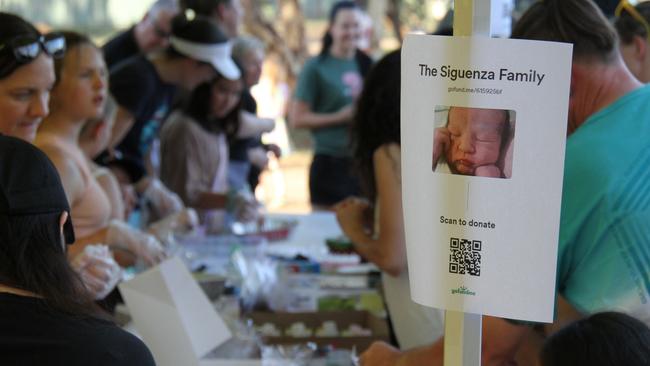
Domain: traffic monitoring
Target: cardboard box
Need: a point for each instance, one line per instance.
(313, 320)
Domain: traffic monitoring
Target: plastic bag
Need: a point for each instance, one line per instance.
(97, 269)
(258, 281)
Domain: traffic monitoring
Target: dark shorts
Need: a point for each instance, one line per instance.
(331, 180)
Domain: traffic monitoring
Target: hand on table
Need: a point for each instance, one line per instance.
(181, 222)
(144, 246)
(243, 206)
(163, 200)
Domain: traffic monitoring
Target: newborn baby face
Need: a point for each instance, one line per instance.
(475, 136)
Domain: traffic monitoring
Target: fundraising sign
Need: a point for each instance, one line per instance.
(483, 134)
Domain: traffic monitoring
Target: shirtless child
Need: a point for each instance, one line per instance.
(472, 142)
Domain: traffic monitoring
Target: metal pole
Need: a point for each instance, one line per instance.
(463, 330)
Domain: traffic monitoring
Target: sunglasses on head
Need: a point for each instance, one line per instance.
(625, 5)
(27, 48)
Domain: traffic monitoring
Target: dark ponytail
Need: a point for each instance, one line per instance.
(32, 259)
(377, 119)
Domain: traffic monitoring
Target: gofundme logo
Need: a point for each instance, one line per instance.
(462, 290)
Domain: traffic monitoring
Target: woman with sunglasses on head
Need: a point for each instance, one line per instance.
(26, 75)
(26, 78)
(633, 27)
(324, 100)
(78, 95)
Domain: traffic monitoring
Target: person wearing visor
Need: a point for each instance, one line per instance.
(26, 78)
(47, 317)
(149, 34)
(144, 88)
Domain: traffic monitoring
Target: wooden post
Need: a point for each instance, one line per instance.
(472, 17)
(463, 330)
(462, 339)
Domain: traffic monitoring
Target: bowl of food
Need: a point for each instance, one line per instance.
(340, 245)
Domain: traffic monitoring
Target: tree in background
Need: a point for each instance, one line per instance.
(281, 26)
(90, 16)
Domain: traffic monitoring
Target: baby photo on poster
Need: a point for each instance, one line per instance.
(473, 141)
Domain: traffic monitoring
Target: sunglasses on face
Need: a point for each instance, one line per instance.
(630, 9)
(27, 48)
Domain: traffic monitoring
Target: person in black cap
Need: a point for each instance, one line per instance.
(227, 13)
(47, 316)
(26, 78)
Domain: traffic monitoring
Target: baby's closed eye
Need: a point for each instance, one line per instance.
(487, 137)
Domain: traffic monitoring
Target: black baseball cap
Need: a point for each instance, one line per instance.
(30, 184)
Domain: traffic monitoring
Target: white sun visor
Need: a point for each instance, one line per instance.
(218, 55)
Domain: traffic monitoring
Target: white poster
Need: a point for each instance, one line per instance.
(483, 133)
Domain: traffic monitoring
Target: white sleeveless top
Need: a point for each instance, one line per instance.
(414, 325)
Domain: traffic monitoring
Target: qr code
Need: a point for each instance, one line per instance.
(465, 256)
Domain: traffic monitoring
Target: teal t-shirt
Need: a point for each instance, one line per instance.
(604, 248)
(328, 84)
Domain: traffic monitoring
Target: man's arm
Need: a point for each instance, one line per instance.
(500, 342)
(383, 354)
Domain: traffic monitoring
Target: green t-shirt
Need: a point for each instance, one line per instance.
(604, 248)
(328, 84)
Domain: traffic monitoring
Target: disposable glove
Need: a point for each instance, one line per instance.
(144, 246)
(97, 269)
